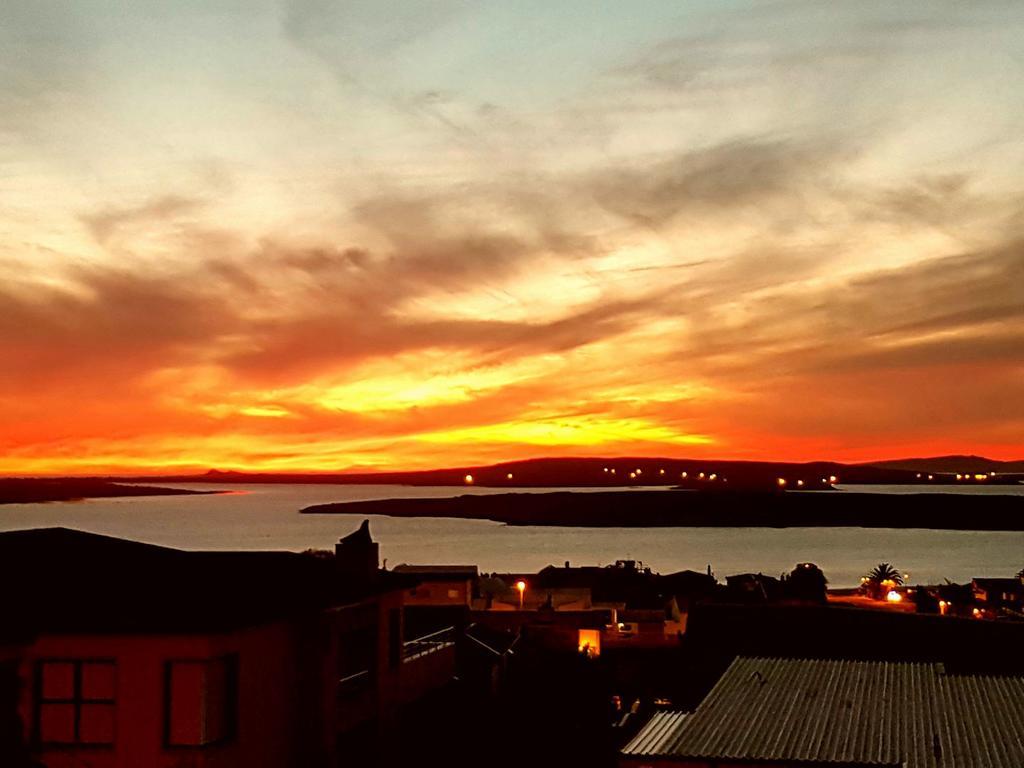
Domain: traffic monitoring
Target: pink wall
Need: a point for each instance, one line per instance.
(266, 712)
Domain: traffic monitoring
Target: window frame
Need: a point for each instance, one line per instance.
(77, 702)
(232, 699)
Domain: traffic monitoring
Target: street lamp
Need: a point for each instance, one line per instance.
(521, 586)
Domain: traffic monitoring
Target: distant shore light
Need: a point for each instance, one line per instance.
(781, 482)
(683, 475)
(832, 478)
(509, 475)
(468, 479)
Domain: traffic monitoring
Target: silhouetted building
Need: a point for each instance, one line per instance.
(139, 655)
(441, 585)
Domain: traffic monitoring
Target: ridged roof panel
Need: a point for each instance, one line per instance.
(860, 712)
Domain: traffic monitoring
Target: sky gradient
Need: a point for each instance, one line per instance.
(312, 235)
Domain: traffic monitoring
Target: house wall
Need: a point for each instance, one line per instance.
(267, 732)
(441, 592)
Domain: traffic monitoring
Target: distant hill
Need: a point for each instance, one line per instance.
(617, 472)
(953, 464)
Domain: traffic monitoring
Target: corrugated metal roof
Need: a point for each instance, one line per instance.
(653, 737)
(853, 712)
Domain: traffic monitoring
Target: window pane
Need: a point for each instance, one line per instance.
(97, 680)
(216, 702)
(58, 680)
(57, 723)
(185, 700)
(97, 724)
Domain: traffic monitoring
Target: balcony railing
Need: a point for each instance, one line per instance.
(423, 646)
(354, 683)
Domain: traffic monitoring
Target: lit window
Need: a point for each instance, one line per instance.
(75, 702)
(201, 701)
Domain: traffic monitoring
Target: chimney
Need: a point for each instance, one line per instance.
(356, 555)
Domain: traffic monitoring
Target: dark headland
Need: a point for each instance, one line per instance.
(683, 508)
(35, 490)
(623, 471)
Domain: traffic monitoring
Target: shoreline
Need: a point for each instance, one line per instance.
(44, 491)
(709, 509)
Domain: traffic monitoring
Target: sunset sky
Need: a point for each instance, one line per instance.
(314, 235)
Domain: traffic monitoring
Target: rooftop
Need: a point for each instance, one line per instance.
(455, 571)
(854, 713)
(64, 580)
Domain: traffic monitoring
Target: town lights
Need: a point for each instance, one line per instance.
(893, 596)
(521, 587)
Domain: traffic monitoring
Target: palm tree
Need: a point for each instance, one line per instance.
(875, 582)
(885, 572)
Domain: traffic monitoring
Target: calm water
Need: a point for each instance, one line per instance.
(266, 517)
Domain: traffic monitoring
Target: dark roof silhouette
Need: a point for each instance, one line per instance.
(63, 580)
(438, 572)
(359, 537)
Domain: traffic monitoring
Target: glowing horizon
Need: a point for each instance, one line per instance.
(286, 236)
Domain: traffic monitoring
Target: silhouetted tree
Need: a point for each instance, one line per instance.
(807, 582)
(883, 572)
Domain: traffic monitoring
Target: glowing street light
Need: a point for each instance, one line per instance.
(781, 482)
(832, 478)
(521, 586)
(509, 476)
(468, 479)
(894, 597)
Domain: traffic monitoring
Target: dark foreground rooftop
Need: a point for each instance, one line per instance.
(850, 713)
(63, 580)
